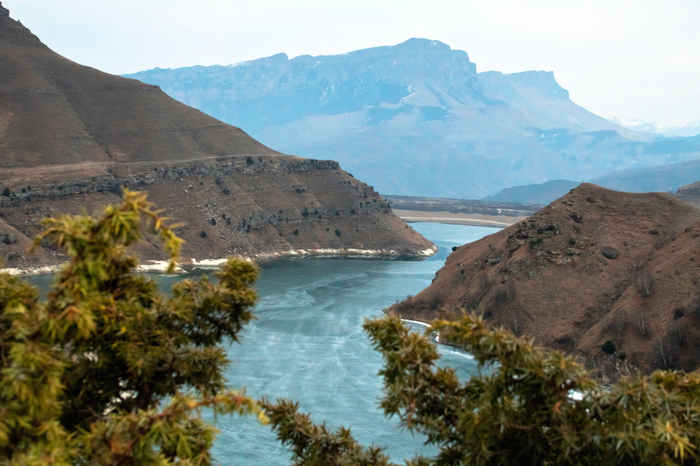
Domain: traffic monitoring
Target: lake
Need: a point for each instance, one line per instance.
(307, 344)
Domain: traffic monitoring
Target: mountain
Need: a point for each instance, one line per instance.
(417, 119)
(663, 178)
(595, 265)
(541, 194)
(691, 129)
(72, 136)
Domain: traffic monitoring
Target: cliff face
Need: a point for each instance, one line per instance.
(594, 265)
(417, 119)
(71, 136)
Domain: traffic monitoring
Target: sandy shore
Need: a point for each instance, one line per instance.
(497, 221)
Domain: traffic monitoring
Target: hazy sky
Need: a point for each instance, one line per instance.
(638, 58)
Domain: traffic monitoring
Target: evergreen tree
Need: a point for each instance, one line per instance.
(527, 405)
(108, 370)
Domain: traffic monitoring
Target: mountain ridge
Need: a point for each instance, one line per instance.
(417, 119)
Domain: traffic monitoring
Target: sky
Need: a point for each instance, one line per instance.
(638, 58)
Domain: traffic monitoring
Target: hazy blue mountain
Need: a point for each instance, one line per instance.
(417, 119)
(648, 179)
(542, 194)
(691, 129)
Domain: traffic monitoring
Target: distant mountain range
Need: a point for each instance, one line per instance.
(417, 119)
(691, 129)
(661, 178)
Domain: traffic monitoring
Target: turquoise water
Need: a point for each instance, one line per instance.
(307, 344)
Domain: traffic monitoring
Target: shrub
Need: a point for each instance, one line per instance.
(454, 248)
(337, 232)
(296, 232)
(608, 347)
(6, 192)
(212, 221)
(535, 242)
(109, 370)
(203, 234)
(645, 281)
(522, 410)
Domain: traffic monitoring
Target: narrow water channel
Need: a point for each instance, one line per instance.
(307, 344)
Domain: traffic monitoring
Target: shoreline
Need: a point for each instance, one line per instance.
(161, 266)
(450, 218)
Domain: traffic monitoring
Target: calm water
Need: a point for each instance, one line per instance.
(307, 344)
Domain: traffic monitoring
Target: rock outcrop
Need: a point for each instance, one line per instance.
(594, 265)
(72, 137)
(417, 119)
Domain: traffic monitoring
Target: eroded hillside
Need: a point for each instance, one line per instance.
(595, 265)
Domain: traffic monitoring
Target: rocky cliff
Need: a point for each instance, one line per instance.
(593, 266)
(71, 137)
(417, 119)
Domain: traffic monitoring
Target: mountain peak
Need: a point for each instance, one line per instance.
(4, 11)
(416, 43)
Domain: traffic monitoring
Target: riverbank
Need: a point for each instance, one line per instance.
(161, 266)
(451, 218)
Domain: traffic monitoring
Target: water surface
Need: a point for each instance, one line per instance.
(307, 344)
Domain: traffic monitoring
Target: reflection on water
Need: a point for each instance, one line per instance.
(307, 344)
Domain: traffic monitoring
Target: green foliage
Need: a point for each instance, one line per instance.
(608, 347)
(86, 376)
(6, 192)
(520, 408)
(534, 242)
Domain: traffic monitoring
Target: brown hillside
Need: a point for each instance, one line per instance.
(56, 112)
(72, 136)
(569, 276)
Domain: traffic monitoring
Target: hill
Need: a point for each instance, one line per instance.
(417, 119)
(542, 194)
(72, 136)
(595, 265)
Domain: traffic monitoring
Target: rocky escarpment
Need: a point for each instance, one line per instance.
(593, 266)
(262, 208)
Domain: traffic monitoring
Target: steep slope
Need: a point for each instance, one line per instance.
(72, 136)
(55, 112)
(416, 119)
(573, 274)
